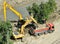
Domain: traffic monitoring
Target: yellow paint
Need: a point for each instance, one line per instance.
(12, 9)
(27, 21)
(5, 10)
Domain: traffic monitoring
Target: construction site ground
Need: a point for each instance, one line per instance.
(50, 38)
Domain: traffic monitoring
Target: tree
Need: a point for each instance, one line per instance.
(52, 5)
(41, 12)
(29, 9)
(35, 11)
(5, 32)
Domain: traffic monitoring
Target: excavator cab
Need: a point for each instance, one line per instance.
(20, 23)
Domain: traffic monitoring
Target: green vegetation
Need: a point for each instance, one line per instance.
(5, 32)
(41, 12)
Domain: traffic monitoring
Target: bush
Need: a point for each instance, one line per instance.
(41, 12)
(5, 32)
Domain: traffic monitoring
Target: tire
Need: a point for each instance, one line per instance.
(31, 32)
(29, 28)
(45, 32)
(36, 34)
(50, 31)
(39, 34)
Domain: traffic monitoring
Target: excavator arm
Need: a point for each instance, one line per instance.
(11, 8)
(5, 11)
(27, 21)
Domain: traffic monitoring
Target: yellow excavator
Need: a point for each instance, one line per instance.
(28, 20)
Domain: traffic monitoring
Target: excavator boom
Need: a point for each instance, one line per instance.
(11, 8)
(27, 21)
(5, 10)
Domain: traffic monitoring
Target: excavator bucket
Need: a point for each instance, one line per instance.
(17, 35)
